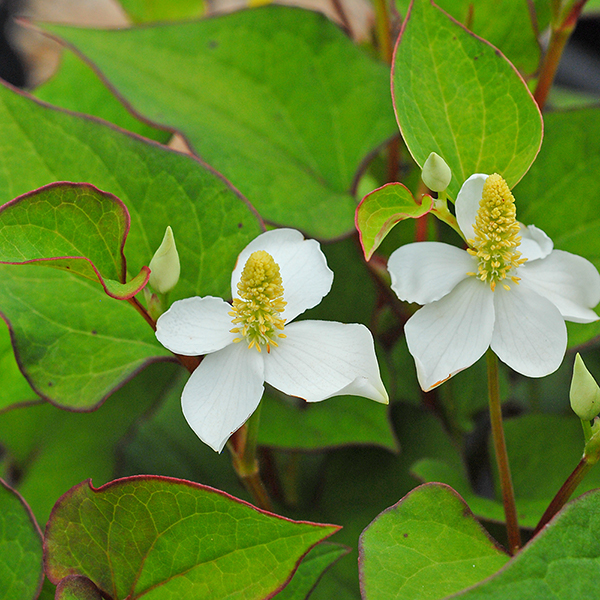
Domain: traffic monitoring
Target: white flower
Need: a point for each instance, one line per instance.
(510, 290)
(277, 277)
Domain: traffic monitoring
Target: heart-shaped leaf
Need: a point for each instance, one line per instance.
(562, 562)
(158, 537)
(74, 344)
(380, 210)
(21, 573)
(277, 99)
(74, 227)
(427, 546)
(455, 94)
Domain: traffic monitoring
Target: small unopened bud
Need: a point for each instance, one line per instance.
(585, 393)
(164, 265)
(436, 173)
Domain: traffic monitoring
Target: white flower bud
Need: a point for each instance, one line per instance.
(164, 265)
(436, 173)
(584, 393)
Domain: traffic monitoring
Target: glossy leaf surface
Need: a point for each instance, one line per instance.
(157, 537)
(427, 546)
(290, 132)
(21, 572)
(380, 210)
(74, 227)
(456, 95)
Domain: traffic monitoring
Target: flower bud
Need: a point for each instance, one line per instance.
(164, 265)
(584, 393)
(436, 173)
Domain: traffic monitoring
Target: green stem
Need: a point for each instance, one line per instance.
(383, 29)
(243, 446)
(560, 33)
(508, 495)
(587, 430)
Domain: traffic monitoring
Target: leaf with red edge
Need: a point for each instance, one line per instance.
(74, 227)
(21, 573)
(380, 210)
(159, 537)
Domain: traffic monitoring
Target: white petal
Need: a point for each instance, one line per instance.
(530, 335)
(570, 282)
(535, 243)
(449, 335)
(467, 203)
(320, 359)
(223, 392)
(195, 326)
(426, 271)
(304, 272)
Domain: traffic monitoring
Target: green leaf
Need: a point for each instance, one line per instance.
(562, 562)
(14, 390)
(74, 353)
(559, 194)
(456, 95)
(75, 344)
(510, 26)
(21, 572)
(163, 538)
(141, 11)
(75, 587)
(310, 570)
(427, 546)
(76, 87)
(277, 99)
(380, 210)
(292, 423)
(52, 450)
(74, 227)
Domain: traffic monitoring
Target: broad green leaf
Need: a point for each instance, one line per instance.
(559, 194)
(318, 560)
(76, 87)
(562, 562)
(73, 227)
(510, 26)
(294, 424)
(427, 546)
(277, 99)
(141, 11)
(161, 538)
(380, 210)
(53, 334)
(74, 343)
(456, 95)
(75, 587)
(52, 450)
(21, 569)
(14, 389)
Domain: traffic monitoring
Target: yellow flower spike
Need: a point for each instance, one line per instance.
(496, 234)
(260, 303)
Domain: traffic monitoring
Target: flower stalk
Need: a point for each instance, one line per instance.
(243, 446)
(563, 24)
(508, 495)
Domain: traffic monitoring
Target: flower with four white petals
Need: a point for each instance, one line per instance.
(277, 277)
(510, 290)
